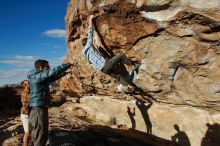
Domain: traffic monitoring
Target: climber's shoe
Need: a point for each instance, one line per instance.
(136, 65)
(120, 88)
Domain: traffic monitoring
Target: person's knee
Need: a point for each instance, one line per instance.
(126, 60)
(122, 55)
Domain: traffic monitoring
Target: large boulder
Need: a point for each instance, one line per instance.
(178, 45)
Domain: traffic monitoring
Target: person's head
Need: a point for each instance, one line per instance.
(42, 65)
(84, 41)
(25, 84)
(176, 127)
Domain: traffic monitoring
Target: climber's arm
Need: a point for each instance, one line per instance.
(89, 42)
(90, 21)
(98, 40)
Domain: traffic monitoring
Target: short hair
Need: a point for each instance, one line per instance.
(84, 41)
(40, 63)
(22, 82)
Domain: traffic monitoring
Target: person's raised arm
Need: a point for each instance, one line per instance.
(51, 73)
(91, 21)
(89, 42)
(98, 40)
(56, 77)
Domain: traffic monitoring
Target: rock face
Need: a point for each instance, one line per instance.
(178, 44)
(184, 125)
(10, 97)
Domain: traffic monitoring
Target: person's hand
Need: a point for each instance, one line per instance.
(91, 17)
(68, 71)
(75, 63)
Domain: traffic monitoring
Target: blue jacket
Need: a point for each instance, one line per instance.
(39, 84)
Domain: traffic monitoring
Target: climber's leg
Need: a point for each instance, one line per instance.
(109, 65)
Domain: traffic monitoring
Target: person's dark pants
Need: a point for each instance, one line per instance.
(113, 69)
(39, 122)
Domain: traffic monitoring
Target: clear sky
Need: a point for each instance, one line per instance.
(29, 30)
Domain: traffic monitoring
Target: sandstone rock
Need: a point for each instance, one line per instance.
(158, 118)
(177, 43)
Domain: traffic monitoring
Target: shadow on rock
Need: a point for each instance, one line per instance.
(211, 137)
(180, 138)
(58, 102)
(135, 135)
(91, 137)
(131, 116)
(6, 116)
(98, 135)
(144, 107)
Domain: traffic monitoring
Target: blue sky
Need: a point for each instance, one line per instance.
(29, 30)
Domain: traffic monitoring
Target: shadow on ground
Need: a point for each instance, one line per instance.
(98, 135)
(6, 116)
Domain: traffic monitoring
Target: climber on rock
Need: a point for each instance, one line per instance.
(108, 66)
